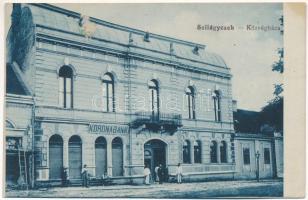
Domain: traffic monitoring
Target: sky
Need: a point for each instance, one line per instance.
(248, 53)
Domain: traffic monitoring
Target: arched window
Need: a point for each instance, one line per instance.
(213, 152)
(55, 157)
(223, 152)
(154, 96)
(100, 156)
(217, 106)
(108, 93)
(117, 157)
(9, 124)
(75, 157)
(186, 151)
(66, 87)
(197, 151)
(190, 93)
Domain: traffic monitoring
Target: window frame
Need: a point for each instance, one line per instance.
(223, 152)
(197, 152)
(267, 157)
(213, 155)
(63, 92)
(191, 102)
(186, 156)
(154, 88)
(217, 105)
(245, 159)
(107, 84)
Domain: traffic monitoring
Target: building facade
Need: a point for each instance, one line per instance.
(259, 155)
(117, 99)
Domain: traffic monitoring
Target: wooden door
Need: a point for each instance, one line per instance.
(75, 160)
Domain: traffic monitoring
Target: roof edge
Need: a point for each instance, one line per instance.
(117, 26)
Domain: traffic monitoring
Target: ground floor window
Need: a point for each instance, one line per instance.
(267, 158)
(213, 152)
(246, 156)
(186, 151)
(197, 151)
(223, 152)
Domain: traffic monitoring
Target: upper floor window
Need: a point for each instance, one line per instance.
(108, 93)
(66, 87)
(13, 143)
(217, 105)
(213, 152)
(154, 96)
(223, 152)
(190, 93)
(197, 151)
(267, 158)
(246, 156)
(186, 151)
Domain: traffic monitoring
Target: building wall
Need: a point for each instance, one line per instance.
(19, 114)
(88, 83)
(244, 171)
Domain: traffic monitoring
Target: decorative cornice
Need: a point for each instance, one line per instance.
(134, 55)
(117, 26)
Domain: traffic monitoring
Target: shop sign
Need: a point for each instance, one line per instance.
(107, 128)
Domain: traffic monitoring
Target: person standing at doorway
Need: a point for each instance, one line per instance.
(156, 173)
(160, 172)
(85, 176)
(179, 173)
(147, 174)
(65, 177)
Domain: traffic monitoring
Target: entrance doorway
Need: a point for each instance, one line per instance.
(12, 168)
(154, 154)
(55, 157)
(75, 157)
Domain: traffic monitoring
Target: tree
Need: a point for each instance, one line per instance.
(272, 113)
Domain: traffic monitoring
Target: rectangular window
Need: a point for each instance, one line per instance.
(13, 143)
(246, 156)
(61, 91)
(68, 95)
(105, 97)
(267, 158)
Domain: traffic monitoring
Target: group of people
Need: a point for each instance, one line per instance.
(84, 175)
(161, 174)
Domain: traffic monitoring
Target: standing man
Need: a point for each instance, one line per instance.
(156, 173)
(147, 174)
(160, 172)
(85, 176)
(179, 173)
(65, 177)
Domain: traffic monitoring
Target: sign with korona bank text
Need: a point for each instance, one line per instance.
(107, 128)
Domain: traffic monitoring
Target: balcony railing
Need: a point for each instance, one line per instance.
(168, 122)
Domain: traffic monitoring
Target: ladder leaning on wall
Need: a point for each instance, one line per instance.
(23, 172)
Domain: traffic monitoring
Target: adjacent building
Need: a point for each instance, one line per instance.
(117, 99)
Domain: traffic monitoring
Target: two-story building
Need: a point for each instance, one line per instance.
(117, 98)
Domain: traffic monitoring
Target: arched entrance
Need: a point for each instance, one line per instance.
(55, 157)
(75, 157)
(154, 154)
(100, 156)
(117, 157)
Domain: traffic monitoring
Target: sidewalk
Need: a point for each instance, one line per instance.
(166, 190)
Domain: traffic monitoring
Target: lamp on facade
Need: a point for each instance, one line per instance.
(196, 50)
(258, 170)
(147, 37)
